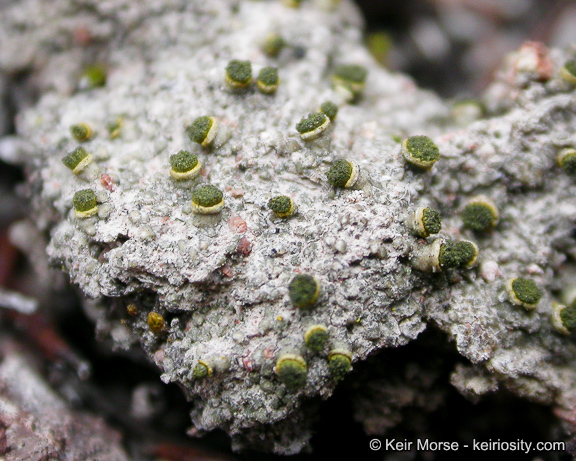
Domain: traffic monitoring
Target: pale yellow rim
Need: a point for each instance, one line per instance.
(353, 175)
(211, 133)
(295, 357)
(268, 89)
(413, 160)
(313, 329)
(207, 210)
(289, 213)
(87, 213)
(187, 174)
(514, 299)
(317, 131)
(83, 164)
(237, 85)
(202, 362)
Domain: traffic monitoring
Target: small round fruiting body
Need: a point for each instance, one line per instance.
(330, 109)
(425, 221)
(467, 111)
(202, 370)
(273, 45)
(420, 151)
(93, 77)
(449, 257)
(312, 126)
(568, 317)
(207, 200)
(523, 292)
(349, 80)
(563, 318)
(238, 74)
(291, 370)
(292, 3)
(203, 130)
(480, 214)
(316, 337)
(427, 258)
(114, 128)
(568, 71)
(268, 80)
(85, 203)
(184, 166)
(77, 160)
(567, 161)
(343, 173)
(132, 310)
(155, 322)
(329, 5)
(304, 290)
(380, 44)
(339, 363)
(282, 206)
(469, 253)
(81, 132)
(463, 253)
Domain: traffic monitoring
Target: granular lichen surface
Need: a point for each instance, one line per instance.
(221, 281)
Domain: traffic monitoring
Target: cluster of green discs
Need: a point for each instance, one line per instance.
(238, 74)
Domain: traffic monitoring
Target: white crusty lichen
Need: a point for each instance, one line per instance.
(221, 281)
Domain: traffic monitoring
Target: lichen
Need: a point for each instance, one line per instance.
(311, 122)
(224, 279)
(155, 322)
(568, 316)
(291, 370)
(81, 132)
(268, 76)
(239, 73)
(422, 148)
(198, 131)
(73, 159)
(304, 290)
(570, 66)
(207, 196)
(330, 109)
(339, 365)
(281, 205)
(432, 221)
(526, 290)
(479, 217)
(339, 173)
(183, 161)
(93, 77)
(273, 45)
(316, 338)
(84, 200)
(351, 73)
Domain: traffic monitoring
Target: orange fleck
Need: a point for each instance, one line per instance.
(237, 224)
(107, 182)
(226, 271)
(248, 364)
(244, 246)
(82, 36)
(268, 353)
